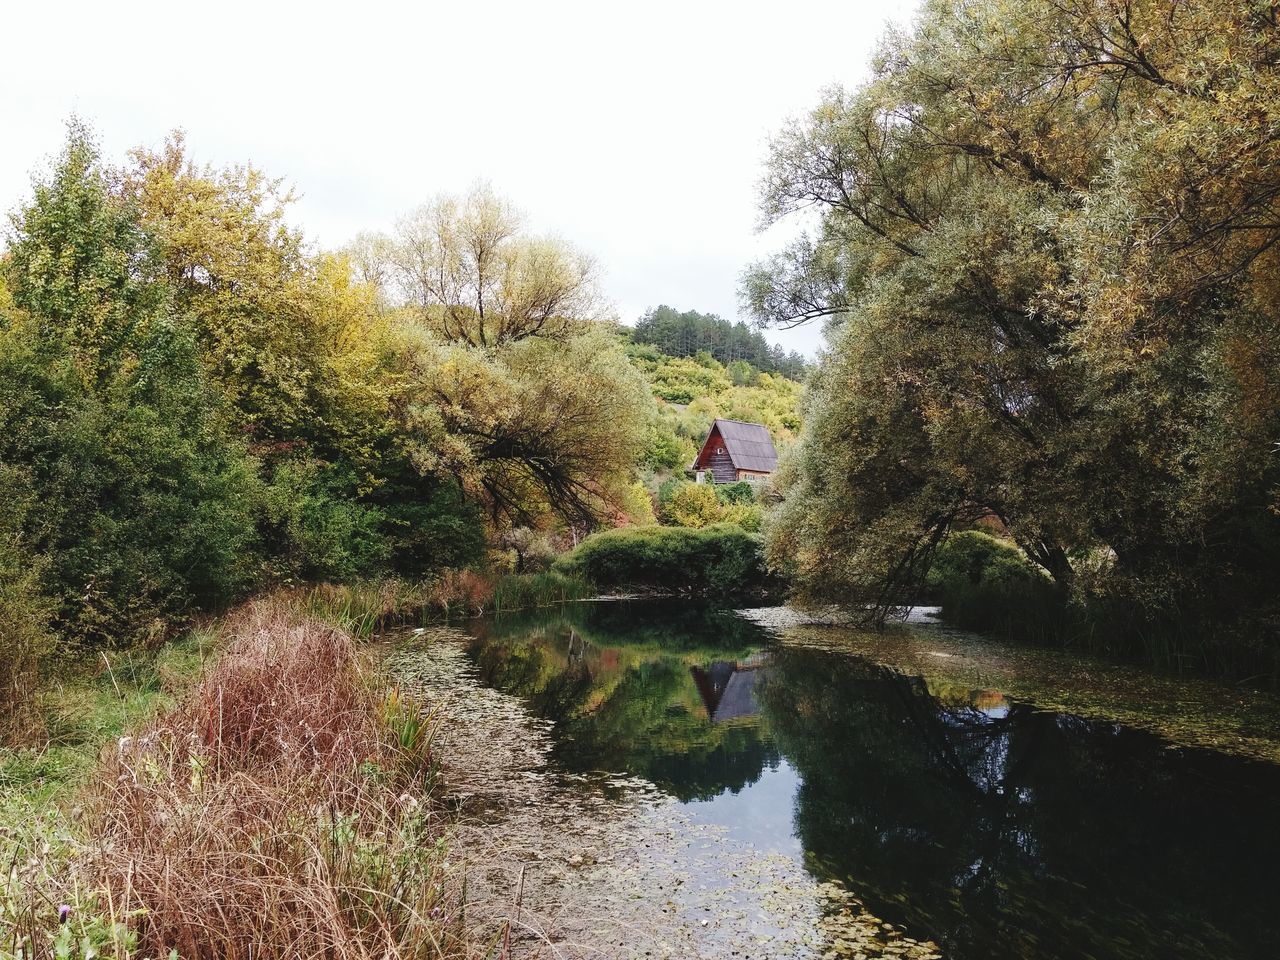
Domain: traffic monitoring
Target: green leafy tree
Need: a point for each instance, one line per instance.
(543, 428)
(145, 500)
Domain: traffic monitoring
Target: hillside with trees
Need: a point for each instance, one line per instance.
(690, 393)
(688, 333)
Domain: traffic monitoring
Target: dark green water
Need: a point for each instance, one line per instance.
(980, 822)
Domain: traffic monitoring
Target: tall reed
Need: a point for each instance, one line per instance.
(531, 591)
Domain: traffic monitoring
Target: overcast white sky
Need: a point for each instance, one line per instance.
(636, 131)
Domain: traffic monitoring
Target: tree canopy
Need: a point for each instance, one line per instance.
(479, 277)
(1045, 242)
(196, 403)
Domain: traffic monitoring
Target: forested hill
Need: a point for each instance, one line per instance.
(684, 334)
(691, 392)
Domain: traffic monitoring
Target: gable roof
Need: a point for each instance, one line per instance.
(748, 444)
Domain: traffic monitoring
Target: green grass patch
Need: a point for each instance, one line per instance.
(94, 703)
(537, 590)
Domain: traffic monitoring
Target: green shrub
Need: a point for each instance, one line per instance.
(675, 394)
(687, 504)
(984, 583)
(24, 640)
(742, 373)
(665, 449)
(741, 492)
(748, 516)
(668, 489)
(320, 531)
(719, 560)
(693, 505)
(429, 526)
(321, 527)
(147, 504)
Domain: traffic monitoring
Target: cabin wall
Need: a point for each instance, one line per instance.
(721, 465)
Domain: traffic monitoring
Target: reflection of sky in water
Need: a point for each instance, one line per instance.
(761, 813)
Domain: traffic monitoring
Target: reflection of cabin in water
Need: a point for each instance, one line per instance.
(735, 451)
(727, 688)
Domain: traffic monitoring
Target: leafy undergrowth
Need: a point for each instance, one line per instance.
(275, 808)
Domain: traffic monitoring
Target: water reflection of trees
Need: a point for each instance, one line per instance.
(622, 691)
(1001, 830)
(674, 627)
(994, 828)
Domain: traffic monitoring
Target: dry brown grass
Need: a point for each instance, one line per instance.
(273, 814)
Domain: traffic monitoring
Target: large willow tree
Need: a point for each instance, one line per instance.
(1045, 246)
(509, 379)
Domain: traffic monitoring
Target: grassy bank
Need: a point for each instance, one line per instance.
(255, 788)
(365, 609)
(92, 703)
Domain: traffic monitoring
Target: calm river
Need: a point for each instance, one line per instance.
(979, 801)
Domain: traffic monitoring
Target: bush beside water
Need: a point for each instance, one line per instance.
(718, 560)
(278, 806)
(985, 583)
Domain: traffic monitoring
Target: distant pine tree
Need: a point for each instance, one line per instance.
(684, 334)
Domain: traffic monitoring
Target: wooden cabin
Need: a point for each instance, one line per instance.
(736, 451)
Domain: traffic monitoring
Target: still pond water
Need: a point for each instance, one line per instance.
(906, 771)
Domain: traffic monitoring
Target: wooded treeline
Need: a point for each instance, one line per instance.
(196, 404)
(1047, 251)
(686, 333)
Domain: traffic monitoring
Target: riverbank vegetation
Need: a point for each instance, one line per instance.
(200, 408)
(1045, 250)
(984, 582)
(271, 793)
(197, 406)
